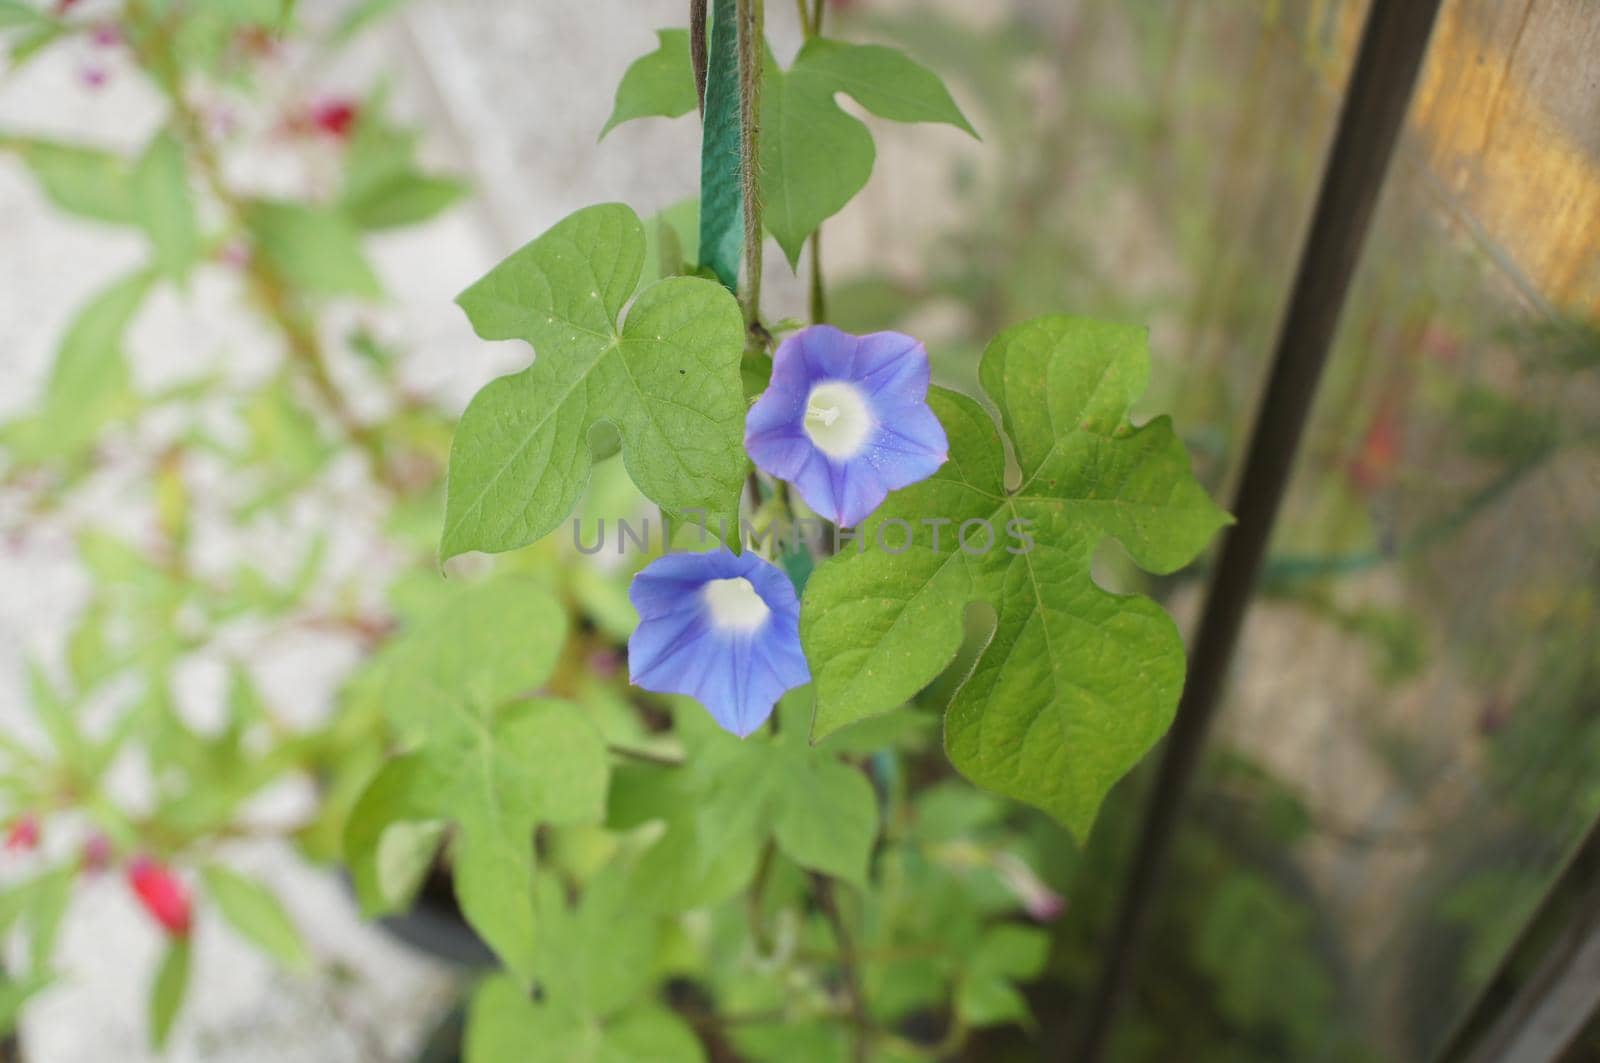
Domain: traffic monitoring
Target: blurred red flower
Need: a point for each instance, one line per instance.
(335, 117)
(24, 833)
(96, 853)
(163, 895)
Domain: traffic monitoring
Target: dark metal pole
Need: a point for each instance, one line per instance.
(1393, 44)
(1547, 986)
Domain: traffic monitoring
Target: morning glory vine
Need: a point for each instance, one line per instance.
(776, 659)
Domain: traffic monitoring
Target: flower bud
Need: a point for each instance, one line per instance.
(1043, 904)
(23, 836)
(97, 854)
(163, 895)
(334, 117)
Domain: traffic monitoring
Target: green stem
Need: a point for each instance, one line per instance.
(644, 756)
(756, 900)
(849, 969)
(818, 295)
(751, 35)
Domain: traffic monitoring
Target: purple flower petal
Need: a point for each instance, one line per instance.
(721, 628)
(846, 420)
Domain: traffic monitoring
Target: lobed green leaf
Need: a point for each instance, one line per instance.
(503, 1022)
(667, 379)
(1076, 683)
(814, 156)
(485, 756)
(660, 84)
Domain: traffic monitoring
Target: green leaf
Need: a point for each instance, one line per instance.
(40, 32)
(165, 208)
(885, 81)
(269, 13)
(256, 913)
(672, 241)
(479, 646)
(1007, 954)
(392, 802)
(492, 766)
(90, 373)
(705, 855)
(19, 13)
(80, 180)
(495, 778)
(406, 851)
(503, 1022)
(47, 900)
(383, 186)
(730, 798)
(827, 815)
(650, 1035)
(57, 718)
(668, 379)
(660, 84)
(573, 971)
(362, 14)
(814, 156)
(89, 384)
(16, 992)
(167, 991)
(407, 199)
(1076, 683)
(543, 762)
(314, 248)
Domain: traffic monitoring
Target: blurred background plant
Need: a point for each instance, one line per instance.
(219, 489)
(1410, 750)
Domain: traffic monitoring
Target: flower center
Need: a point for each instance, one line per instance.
(838, 419)
(735, 605)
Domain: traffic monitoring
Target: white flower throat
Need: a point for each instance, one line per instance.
(735, 605)
(838, 419)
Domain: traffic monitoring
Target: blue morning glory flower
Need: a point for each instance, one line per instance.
(846, 420)
(721, 628)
